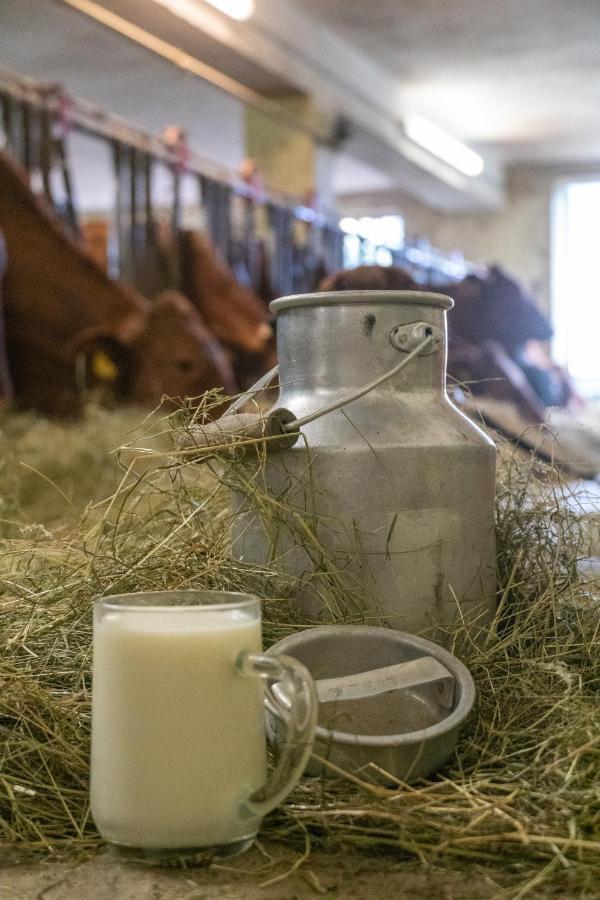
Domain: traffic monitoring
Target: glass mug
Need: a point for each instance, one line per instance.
(178, 761)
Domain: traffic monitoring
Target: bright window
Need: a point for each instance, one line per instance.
(369, 240)
(575, 281)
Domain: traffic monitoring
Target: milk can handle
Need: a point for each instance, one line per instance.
(291, 426)
(256, 387)
(299, 715)
(295, 424)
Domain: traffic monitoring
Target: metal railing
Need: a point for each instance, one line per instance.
(37, 118)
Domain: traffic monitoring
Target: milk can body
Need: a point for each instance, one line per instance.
(385, 506)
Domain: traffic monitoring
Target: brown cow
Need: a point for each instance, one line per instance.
(370, 278)
(68, 324)
(233, 312)
(177, 355)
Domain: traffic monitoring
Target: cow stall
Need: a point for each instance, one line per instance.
(167, 294)
(179, 226)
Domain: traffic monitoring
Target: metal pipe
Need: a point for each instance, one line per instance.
(91, 119)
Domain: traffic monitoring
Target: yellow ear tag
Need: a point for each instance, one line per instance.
(103, 368)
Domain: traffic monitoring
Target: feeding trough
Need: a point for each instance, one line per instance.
(385, 698)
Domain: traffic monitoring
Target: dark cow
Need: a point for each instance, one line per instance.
(488, 331)
(68, 325)
(496, 311)
(495, 308)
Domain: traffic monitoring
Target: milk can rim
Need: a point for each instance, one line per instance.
(333, 298)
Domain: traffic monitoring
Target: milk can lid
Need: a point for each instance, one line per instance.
(337, 298)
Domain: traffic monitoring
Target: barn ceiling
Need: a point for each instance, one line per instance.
(520, 77)
(518, 80)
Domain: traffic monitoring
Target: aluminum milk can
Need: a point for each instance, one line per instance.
(384, 506)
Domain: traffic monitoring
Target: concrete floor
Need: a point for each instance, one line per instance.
(268, 874)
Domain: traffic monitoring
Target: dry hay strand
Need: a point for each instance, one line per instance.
(522, 793)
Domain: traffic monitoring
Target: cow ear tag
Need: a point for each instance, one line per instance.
(103, 368)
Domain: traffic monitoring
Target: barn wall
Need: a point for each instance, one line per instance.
(517, 236)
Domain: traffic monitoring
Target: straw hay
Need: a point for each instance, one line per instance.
(522, 794)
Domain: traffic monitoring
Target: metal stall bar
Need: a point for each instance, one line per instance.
(20, 96)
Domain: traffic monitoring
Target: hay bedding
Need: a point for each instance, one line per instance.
(522, 795)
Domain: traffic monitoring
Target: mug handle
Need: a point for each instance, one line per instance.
(300, 716)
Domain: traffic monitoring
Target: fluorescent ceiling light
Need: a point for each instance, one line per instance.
(237, 9)
(192, 11)
(443, 145)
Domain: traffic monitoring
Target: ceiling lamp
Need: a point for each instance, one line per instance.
(191, 11)
(443, 145)
(236, 9)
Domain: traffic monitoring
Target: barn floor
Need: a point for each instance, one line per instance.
(346, 875)
(49, 474)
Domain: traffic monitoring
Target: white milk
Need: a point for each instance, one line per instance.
(178, 739)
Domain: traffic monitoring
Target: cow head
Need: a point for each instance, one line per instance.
(369, 278)
(231, 310)
(496, 308)
(176, 355)
(169, 352)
